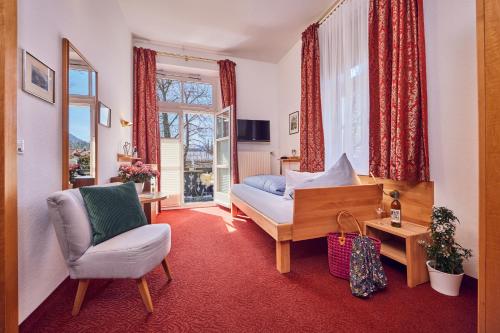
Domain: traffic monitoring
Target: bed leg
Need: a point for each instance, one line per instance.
(234, 210)
(283, 256)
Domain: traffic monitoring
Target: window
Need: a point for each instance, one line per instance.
(169, 125)
(81, 81)
(197, 93)
(186, 111)
(184, 92)
(343, 39)
(168, 90)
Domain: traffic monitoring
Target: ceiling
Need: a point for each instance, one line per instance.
(255, 29)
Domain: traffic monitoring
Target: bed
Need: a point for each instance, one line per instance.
(312, 213)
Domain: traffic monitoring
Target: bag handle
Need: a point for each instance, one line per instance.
(339, 217)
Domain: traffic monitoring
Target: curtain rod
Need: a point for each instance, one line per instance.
(330, 11)
(185, 57)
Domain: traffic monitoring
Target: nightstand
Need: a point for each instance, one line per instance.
(401, 245)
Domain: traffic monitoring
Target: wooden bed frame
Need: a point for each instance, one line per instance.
(314, 216)
(315, 210)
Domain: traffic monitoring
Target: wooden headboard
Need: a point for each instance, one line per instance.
(416, 199)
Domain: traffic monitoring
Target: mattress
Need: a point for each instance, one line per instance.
(271, 205)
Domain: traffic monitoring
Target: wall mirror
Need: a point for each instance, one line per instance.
(79, 114)
(104, 115)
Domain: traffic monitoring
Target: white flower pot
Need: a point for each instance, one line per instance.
(139, 187)
(447, 284)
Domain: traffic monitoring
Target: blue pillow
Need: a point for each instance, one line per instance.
(269, 183)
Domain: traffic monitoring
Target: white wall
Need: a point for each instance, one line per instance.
(452, 102)
(450, 27)
(98, 30)
(256, 89)
(289, 97)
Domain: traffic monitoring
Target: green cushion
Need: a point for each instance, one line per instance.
(112, 210)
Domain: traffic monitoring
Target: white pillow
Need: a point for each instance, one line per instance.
(340, 174)
(294, 178)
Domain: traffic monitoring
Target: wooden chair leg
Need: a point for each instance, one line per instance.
(283, 256)
(164, 263)
(234, 210)
(80, 295)
(144, 291)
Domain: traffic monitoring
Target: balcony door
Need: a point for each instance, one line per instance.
(223, 157)
(187, 110)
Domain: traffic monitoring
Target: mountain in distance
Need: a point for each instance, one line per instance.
(77, 143)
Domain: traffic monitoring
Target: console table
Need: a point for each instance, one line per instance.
(289, 163)
(401, 245)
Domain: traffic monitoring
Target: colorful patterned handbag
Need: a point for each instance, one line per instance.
(366, 272)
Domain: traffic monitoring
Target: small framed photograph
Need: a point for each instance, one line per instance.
(38, 78)
(104, 115)
(293, 123)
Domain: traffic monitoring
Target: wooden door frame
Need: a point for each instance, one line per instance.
(488, 55)
(9, 317)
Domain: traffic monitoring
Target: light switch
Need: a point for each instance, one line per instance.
(20, 147)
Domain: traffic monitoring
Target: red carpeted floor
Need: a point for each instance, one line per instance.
(225, 281)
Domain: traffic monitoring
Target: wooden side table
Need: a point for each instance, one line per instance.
(289, 163)
(150, 203)
(401, 245)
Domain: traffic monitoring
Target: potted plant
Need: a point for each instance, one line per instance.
(137, 173)
(445, 256)
(73, 172)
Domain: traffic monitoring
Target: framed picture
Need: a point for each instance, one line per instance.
(104, 115)
(38, 78)
(293, 123)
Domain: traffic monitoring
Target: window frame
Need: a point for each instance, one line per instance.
(164, 106)
(181, 109)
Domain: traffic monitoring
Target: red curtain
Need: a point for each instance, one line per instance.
(312, 148)
(227, 73)
(398, 91)
(146, 133)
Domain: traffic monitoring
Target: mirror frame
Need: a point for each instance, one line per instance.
(66, 47)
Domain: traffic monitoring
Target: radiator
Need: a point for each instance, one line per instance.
(251, 163)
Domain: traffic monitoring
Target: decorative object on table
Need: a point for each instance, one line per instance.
(137, 173)
(340, 247)
(293, 123)
(126, 148)
(366, 272)
(445, 256)
(38, 78)
(73, 172)
(294, 152)
(134, 152)
(104, 115)
(395, 209)
(125, 123)
(380, 211)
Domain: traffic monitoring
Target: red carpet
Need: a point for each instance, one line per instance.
(225, 281)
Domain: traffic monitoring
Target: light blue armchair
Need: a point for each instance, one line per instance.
(130, 255)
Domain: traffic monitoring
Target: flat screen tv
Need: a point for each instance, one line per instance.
(253, 130)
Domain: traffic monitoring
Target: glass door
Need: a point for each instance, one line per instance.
(223, 156)
(198, 156)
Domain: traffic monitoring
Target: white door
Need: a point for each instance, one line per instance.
(223, 156)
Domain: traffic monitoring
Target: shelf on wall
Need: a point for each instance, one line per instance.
(127, 158)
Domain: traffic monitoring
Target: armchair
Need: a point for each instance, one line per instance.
(130, 255)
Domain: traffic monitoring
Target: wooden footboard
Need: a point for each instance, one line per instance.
(314, 215)
(315, 209)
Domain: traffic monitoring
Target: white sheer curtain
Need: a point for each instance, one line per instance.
(343, 41)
